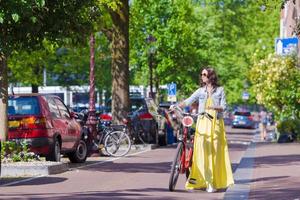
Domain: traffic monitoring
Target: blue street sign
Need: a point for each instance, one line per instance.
(172, 89)
(286, 46)
(245, 95)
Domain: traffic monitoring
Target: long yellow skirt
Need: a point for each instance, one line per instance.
(211, 163)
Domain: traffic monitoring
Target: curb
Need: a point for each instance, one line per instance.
(32, 169)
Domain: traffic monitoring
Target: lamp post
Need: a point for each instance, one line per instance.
(150, 40)
(92, 121)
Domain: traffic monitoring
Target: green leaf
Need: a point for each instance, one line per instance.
(1, 17)
(15, 17)
(33, 19)
(40, 3)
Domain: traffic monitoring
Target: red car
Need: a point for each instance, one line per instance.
(47, 126)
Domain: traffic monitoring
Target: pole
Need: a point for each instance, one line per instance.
(92, 121)
(151, 74)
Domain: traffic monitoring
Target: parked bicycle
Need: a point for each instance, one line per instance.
(114, 139)
(184, 151)
(135, 128)
(138, 132)
(111, 138)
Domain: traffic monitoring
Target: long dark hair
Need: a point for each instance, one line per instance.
(211, 75)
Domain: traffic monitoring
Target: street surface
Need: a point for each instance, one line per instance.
(141, 175)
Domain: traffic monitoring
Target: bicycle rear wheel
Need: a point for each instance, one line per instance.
(117, 143)
(176, 167)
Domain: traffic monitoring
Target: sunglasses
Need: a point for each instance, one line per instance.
(204, 74)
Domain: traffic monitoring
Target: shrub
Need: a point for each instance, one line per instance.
(16, 151)
(289, 127)
(276, 81)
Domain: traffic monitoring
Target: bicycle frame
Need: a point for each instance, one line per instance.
(183, 157)
(186, 156)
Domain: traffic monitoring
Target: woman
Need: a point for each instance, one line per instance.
(211, 168)
(264, 122)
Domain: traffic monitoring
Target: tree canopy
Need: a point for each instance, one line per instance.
(193, 34)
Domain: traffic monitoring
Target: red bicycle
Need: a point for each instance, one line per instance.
(184, 151)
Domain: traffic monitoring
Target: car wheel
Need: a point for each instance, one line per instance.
(55, 154)
(80, 154)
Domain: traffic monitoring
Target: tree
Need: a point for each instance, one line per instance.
(28, 67)
(118, 34)
(276, 81)
(193, 34)
(25, 24)
(179, 47)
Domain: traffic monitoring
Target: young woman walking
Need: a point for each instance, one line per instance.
(211, 168)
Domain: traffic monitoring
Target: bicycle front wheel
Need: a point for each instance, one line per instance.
(176, 167)
(117, 143)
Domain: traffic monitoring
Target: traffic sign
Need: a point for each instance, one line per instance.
(172, 92)
(172, 89)
(245, 95)
(286, 46)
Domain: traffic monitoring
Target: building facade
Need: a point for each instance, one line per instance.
(290, 16)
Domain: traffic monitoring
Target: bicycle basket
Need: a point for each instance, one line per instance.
(187, 121)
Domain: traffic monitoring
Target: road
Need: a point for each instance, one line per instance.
(141, 175)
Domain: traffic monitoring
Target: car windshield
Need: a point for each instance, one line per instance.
(243, 113)
(23, 106)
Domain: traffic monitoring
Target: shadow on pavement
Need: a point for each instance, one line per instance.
(234, 166)
(36, 181)
(111, 195)
(260, 179)
(162, 167)
(237, 147)
(278, 160)
(276, 194)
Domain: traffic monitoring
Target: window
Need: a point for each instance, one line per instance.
(243, 113)
(23, 106)
(63, 109)
(53, 108)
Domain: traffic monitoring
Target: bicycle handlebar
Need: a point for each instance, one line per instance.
(206, 114)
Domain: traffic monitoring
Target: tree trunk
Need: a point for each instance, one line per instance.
(38, 72)
(3, 98)
(92, 121)
(34, 88)
(120, 62)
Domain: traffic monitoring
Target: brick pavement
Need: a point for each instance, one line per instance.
(268, 170)
(276, 172)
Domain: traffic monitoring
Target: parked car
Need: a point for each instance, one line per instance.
(138, 109)
(243, 119)
(47, 126)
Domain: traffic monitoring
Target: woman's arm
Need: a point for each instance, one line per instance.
(194, 97)
(223, 104)
(189, 100)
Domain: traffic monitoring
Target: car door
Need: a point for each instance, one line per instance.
(72, 127)
(59, 123)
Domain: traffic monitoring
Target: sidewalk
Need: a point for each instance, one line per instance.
(45, 168)
(276, 173)
(267, 171)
